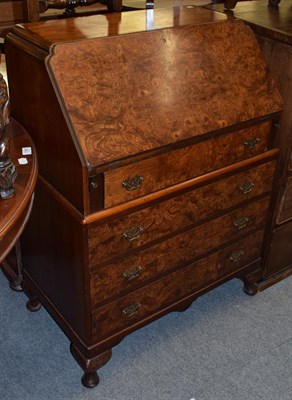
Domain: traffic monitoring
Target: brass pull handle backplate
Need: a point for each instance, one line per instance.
(236, 256)
(252, 142)
(132, 309)
(132, 273)
(132, 234)
(246, 187)
(241, 223)
(134, 183)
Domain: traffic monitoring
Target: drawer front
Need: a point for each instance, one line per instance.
(146, 301)
(143, 266)
(147, 176)
(127, 233)
(285, 209)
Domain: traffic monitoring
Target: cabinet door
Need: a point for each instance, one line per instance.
(280, 255)
(285, 209)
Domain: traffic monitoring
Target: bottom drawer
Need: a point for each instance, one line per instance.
(137, 305)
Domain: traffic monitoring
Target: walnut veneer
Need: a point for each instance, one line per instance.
(157, 154)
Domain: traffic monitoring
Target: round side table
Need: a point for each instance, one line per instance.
(15, 211)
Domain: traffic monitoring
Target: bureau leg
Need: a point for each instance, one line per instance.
(33, 304)
(90, 379)
(250, 281)
(250, 288)
(184, 306)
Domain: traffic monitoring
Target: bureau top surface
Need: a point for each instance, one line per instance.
(46, 33)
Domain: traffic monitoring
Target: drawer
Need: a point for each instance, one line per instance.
(155, 173)
(156, 296)
(143, 266)
(285, 209)
(139, 228)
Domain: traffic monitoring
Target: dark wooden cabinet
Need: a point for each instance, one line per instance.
(158, 163)
(272, 26)
(15, 11)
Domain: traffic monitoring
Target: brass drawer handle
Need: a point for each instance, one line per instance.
(132, 273)
(236, 256)
(132, 309)
(134, 183)
(252, 142)
(133, 233)
(241, 223)
(246, 187)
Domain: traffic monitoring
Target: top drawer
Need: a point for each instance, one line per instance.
(155, 173)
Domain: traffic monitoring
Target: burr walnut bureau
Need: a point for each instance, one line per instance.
(157, 163)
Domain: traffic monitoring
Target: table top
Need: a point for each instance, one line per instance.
(15, 211)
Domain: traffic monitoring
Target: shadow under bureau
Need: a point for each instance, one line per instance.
(157, 166)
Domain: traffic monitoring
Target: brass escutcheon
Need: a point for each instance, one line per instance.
(132, 273)
(252, 142)
(241, 223)
(133, 233)
(236, 256)
(246, 187)
(131, 309)
(134, 183)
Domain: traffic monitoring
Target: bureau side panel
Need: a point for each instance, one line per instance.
(52, 246)
(279, 58)
(35, 106)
